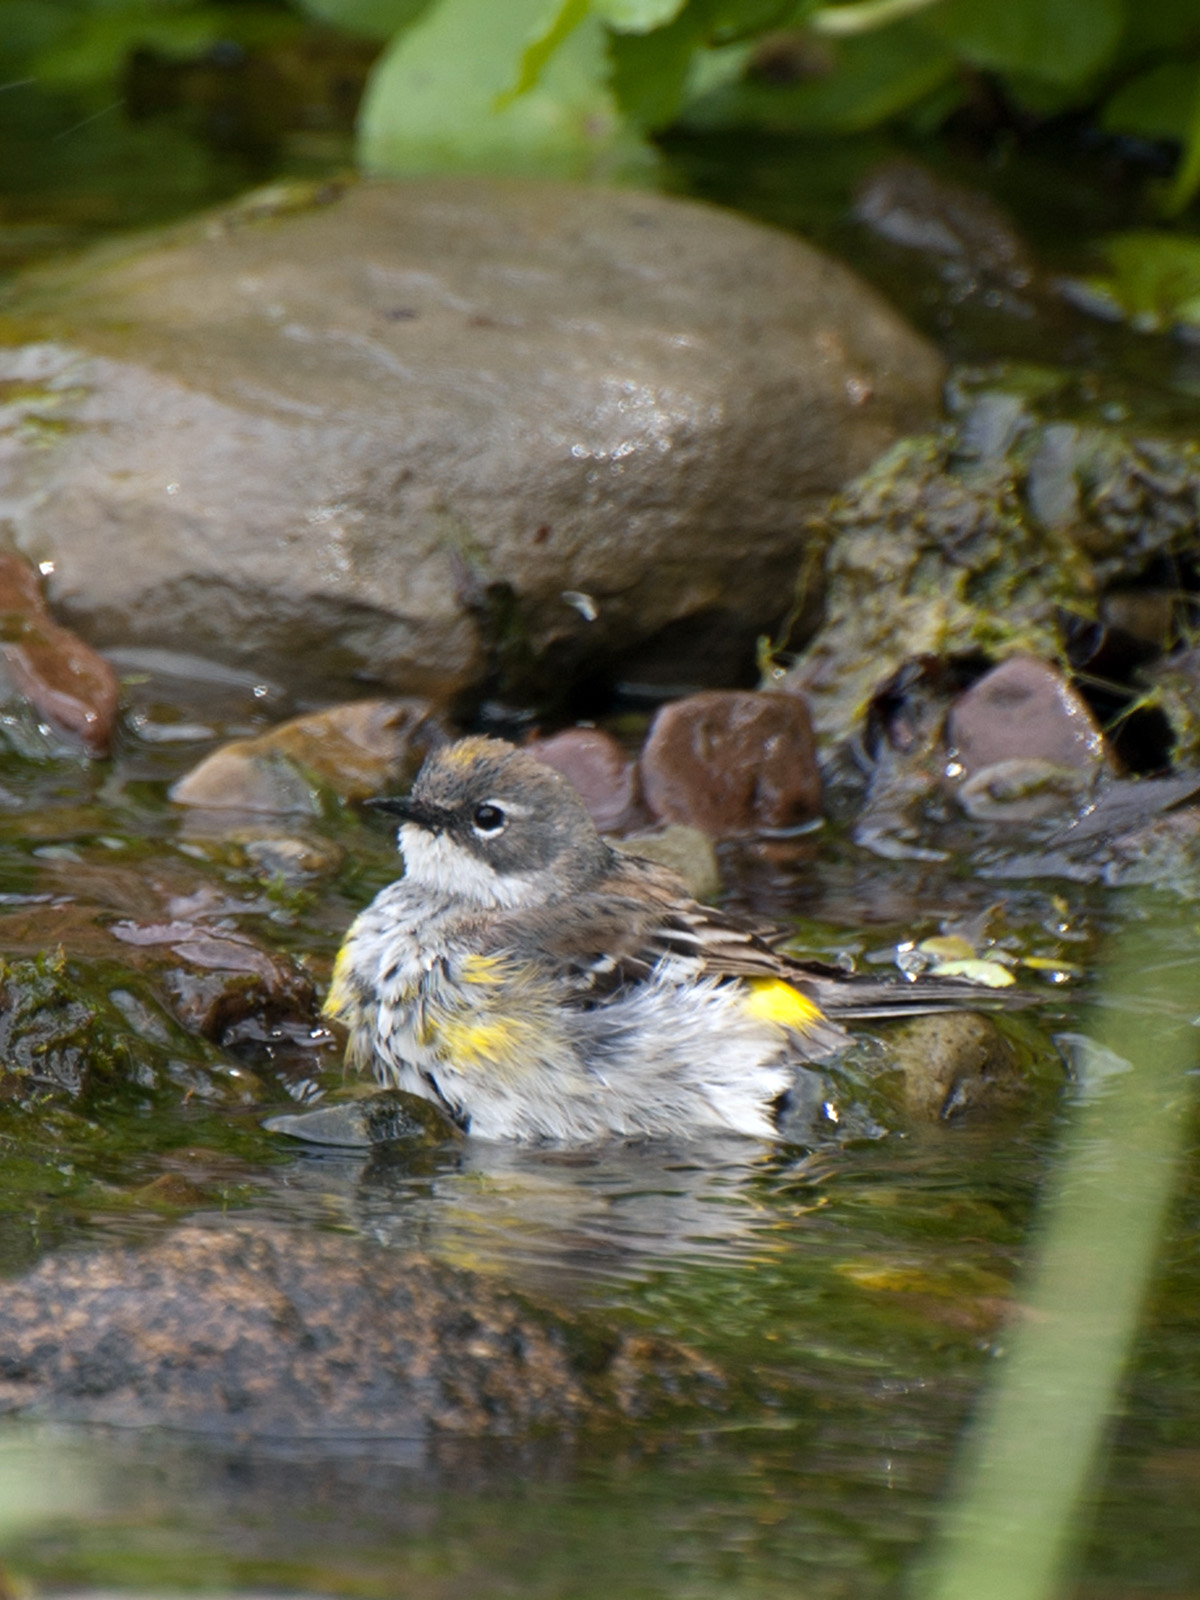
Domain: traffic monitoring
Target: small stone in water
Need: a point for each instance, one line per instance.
(599, 768)
(732, 762)
(63, 679)
(1024, 710)
(686, 851)
(348, 751)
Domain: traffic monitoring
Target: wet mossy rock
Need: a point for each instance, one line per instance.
(442, 431)
(993, 538)
(74, 1030)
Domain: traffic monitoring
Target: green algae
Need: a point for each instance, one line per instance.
(995, 536)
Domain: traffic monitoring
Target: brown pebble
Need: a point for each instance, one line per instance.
(218, 978)
(1023, 710)
(598, 767)
(350, 751)
(732, 762)
(957, 1064)
(65, 680)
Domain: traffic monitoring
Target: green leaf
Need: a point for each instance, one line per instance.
(739, 19)
(93, 52)
(1063, 40)
(650, 71)
(547, 37)
(1155, 276)
(30, 28)
(871, 78)
(436, 100)
(1157, 104)
(637, 16)
(1165, 25)
(372, 19)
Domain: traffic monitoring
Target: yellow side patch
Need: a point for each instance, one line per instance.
(482, 969)
(341, 997)
(772, 1000)
(475, 1044)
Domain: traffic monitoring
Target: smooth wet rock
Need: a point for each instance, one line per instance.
(63, 679)
(732, 762)
(957, 1064)
(346, 752)
(1025, 710)
(687, 851)
(599, 768)
(216, 978)
(387, 1117)
(912, 206)
(441, 432)
(258, 1331)
(1024, 743)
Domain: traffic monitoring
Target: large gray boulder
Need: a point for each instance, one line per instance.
(441, 431)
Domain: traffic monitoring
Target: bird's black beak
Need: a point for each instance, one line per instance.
(407, 810)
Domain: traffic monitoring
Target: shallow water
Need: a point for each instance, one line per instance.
(855, 1292)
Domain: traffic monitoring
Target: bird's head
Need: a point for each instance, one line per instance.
(490, 823)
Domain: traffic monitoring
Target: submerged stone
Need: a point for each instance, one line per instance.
(257, 1331)
(215, 978)
(912, 206)
(959, 1064)
(687, 851)
(386, 1117)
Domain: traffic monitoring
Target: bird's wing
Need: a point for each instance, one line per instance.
(637, 922)
(641, 921)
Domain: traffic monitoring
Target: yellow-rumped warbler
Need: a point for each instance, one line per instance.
(536, 983)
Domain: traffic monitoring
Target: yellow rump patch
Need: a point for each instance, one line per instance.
(772, 1000)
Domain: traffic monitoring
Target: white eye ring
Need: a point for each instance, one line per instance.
(489, 819)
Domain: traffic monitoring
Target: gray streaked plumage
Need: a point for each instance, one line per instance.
(538, 984)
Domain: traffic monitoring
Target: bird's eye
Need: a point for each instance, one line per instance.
(489, 818)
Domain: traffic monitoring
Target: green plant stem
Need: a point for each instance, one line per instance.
(1036, 1449)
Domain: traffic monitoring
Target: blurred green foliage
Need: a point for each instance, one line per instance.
(580, 86)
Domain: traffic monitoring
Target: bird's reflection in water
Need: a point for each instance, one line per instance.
(563, 1222)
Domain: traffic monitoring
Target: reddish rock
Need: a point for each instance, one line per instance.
(64, 680)
(732, 762)
(599, 768)
(1023, 710)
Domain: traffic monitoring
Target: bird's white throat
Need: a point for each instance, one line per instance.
(435, 862)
